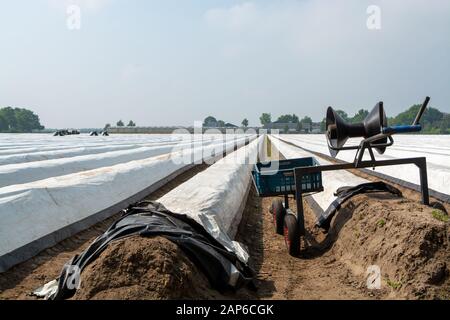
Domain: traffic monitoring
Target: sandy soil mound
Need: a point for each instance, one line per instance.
(143, 268)
(404, 238)
(21, 280)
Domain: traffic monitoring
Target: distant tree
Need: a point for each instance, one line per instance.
(306, 123)
(107, 126)
(265, 118)
(221, 124)
(307, 120)
(287, 118)
(120, 123)
(343, 115)
(10, 116)
(433, 121)
(360, 116)
(323, 125)
(210, 122)
(131, 124)
(445, 124)
(431, 115)
(245, 123)
(3, 124)
(286, 129)
(26, 120)
(19, 120)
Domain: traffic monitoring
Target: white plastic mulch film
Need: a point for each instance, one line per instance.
(434, 147)
(332, 180)
(214, 197)
(64, 180)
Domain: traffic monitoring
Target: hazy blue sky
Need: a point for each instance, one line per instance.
(177, 61)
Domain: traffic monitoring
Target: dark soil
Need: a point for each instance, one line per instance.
(21, 280)
(141, 269)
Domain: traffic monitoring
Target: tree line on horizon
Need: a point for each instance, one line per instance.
(19, 120)
(212, 122)
(120, 124)
(433, 120)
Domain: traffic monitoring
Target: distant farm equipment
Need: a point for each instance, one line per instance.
(62, 133)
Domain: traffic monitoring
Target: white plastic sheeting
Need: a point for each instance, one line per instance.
(40, 209)
(39, 170)
(16, 149)
(82, 153)
(435, 148)
(65, 152)
(332, 180)
(27, 144)
(214, 198)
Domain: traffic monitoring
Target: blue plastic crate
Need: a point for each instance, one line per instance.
(282, 181)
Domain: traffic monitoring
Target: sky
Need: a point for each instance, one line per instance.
(173, 62)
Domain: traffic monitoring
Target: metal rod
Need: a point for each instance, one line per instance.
(299, 201)
(424, 182)
(421, 111)
(421, 163)
(361, 165)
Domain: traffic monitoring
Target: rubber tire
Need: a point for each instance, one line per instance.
(278, 213)
(292, 235)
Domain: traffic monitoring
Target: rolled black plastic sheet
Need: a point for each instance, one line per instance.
(346, 193)
(150, 219)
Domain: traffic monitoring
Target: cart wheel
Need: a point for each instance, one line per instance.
(278, 212)
(292, 234)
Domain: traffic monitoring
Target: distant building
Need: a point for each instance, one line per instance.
(213, 124)
(166, 130)
(306, 127)
(283, 127)
(316, 127)
(292, 127)
(210, 124)
(144, 130)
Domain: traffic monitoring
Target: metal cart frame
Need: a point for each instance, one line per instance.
(293, 230)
